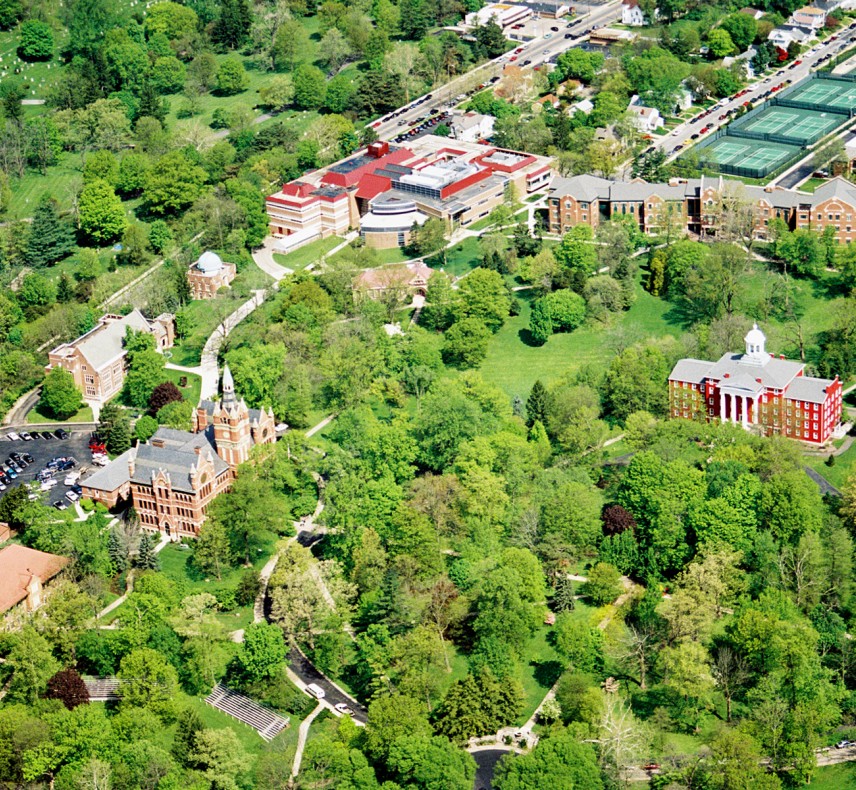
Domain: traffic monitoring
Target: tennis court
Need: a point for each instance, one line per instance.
(740, 156)
(839, 94)
(802, 126)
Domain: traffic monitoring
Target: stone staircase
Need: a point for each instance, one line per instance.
(264, 721)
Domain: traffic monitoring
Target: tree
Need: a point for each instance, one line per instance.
(131, 178)
(720, 43)
(145, 372)
(465, 343)
(232, 77)
(536, 404)
(263, 652)
(577, 257)
(32, 665)
(173, 183)
(60, 397)
(174, 20)
(383, 723)
(150, 682)
(212, 550)
(233, 25)
(100, 212)
(164, 393)
(68, 687)
(168, 74)
(278, 93)
(147, 559)
(10, 12)
(480, 704)
(37, 41)
(50, 238)
(603, 585)
(558, 761)
(221, 757)
(309, 87)
(184, 741)
(484, 296)
(424, 763)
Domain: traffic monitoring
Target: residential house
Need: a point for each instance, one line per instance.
(471, 126)
(411, 278)
(808, 17)
(646, 119)
(632, 14)
(785, 35)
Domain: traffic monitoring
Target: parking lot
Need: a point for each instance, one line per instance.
(43, 450)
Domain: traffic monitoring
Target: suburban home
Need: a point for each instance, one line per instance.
(584, 106)
(809, 17)
(96, 359)
(632, 14)
(172, 479)
(209, 274)
(646, 119)
(784, 35)
(472, 126)
(755, 13)
(24, 577)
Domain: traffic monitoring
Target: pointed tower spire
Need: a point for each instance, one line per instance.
(228, 399)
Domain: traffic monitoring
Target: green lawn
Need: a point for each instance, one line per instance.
(845, 466)
(83, 415)
(514, 365)
(193, 389)
(460, 259)
(205, 315)
(812, 184)
(835, 777)
(310, 253)
(538, 669)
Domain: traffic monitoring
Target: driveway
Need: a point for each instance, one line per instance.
(486, 761)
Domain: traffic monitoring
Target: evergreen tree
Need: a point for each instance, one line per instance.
(151, 104)
(184, 740)
(65, 289)
(50, 238)
(233, 24)
(117, 548)
(536, 404)
(563, 600)
(147, 560)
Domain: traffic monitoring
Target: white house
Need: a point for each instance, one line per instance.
(631, 14)
(472, 127)
(808, 17)
(584, 106)
(784, 35)
(646, 119)
(504, 14)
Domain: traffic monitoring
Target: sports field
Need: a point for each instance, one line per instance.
(752, 155)
(801, 126)
(840, 94)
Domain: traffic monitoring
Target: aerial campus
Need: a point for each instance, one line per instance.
(427, 396)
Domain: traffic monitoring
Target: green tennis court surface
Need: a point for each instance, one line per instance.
(754, 155)
(799, 125)
(828, 93)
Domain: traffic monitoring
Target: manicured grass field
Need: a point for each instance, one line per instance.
(840, 472)
(310, 253)
(205, 315)
(514, 365)
(83, 415)
(460, 259)
(194, 384)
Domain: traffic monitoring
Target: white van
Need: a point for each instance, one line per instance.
(316, 691)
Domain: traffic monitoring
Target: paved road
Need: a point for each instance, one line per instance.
(825, 486)
(794, 73)
(304, 669)
(537, 51)
(486, 761)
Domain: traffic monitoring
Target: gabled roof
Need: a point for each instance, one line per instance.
(809, 389)
(18, 566)
(692, 371)
(107, 340)
(775, 373)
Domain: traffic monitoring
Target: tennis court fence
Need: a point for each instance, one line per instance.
(784, 99)
(740, 170)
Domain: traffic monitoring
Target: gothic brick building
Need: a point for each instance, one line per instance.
(756, 389)
(173, 478)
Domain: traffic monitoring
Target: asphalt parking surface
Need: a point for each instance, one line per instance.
(42, 450)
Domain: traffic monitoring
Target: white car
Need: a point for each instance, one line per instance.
(100, 460)
(344, 709)
(72, 496)
(314, 689)
(13, 436)
(71, 478)
(47, 485)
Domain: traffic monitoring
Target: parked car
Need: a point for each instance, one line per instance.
(13, 436)
(60, 505)
(27, 437)
(314, 689)
(72, 496)
(60, 433)
(343, 708)
(843, 744)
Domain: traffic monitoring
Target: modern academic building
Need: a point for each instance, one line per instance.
(590, 200)
(757, 390)
(385, 189)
